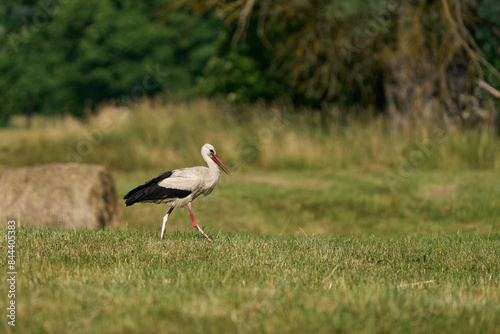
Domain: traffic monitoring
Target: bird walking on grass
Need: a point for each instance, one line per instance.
(178, 188)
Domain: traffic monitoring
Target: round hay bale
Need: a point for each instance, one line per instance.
(66, 195)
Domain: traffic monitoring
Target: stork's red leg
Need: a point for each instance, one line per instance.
(165, 221)
(196, 225)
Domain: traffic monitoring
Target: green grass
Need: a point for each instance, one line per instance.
(332, 203)
(321, 227)
(248, 138)
(101, 281)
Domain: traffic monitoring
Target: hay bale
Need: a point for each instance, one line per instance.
(66, 195)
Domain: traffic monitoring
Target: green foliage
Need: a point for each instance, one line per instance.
(488, 35)
(84, 53)
(237, 75)
(322, 51)
(70, 56)
(375, 54)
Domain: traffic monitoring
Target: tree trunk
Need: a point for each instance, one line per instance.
(428, 79)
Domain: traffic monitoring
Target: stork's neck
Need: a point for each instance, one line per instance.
(213, 167)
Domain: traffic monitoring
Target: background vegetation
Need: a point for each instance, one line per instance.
(411, 60)
(361, 139)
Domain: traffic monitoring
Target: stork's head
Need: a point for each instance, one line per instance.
(209, 151)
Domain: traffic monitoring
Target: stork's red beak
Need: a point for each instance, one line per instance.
(219, 162)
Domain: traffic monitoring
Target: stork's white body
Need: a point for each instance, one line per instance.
(178, 188)
(198, 180)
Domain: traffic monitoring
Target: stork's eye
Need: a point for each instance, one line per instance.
(212, 151)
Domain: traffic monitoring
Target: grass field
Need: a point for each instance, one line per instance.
(321, 227)
(129, 281)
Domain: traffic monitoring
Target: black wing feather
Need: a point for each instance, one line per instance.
(151, 191)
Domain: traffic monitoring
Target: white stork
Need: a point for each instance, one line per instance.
(178, 188)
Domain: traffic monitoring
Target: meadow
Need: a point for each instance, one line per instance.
(329, 224)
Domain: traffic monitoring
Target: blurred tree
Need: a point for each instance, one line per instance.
(435, 65)
(67, 57)
(488, 36)
(315, 51)
(415, 60)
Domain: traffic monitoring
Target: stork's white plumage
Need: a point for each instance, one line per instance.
(178, 188)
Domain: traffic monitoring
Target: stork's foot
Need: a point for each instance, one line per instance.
(196, 225)
(204, 234)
